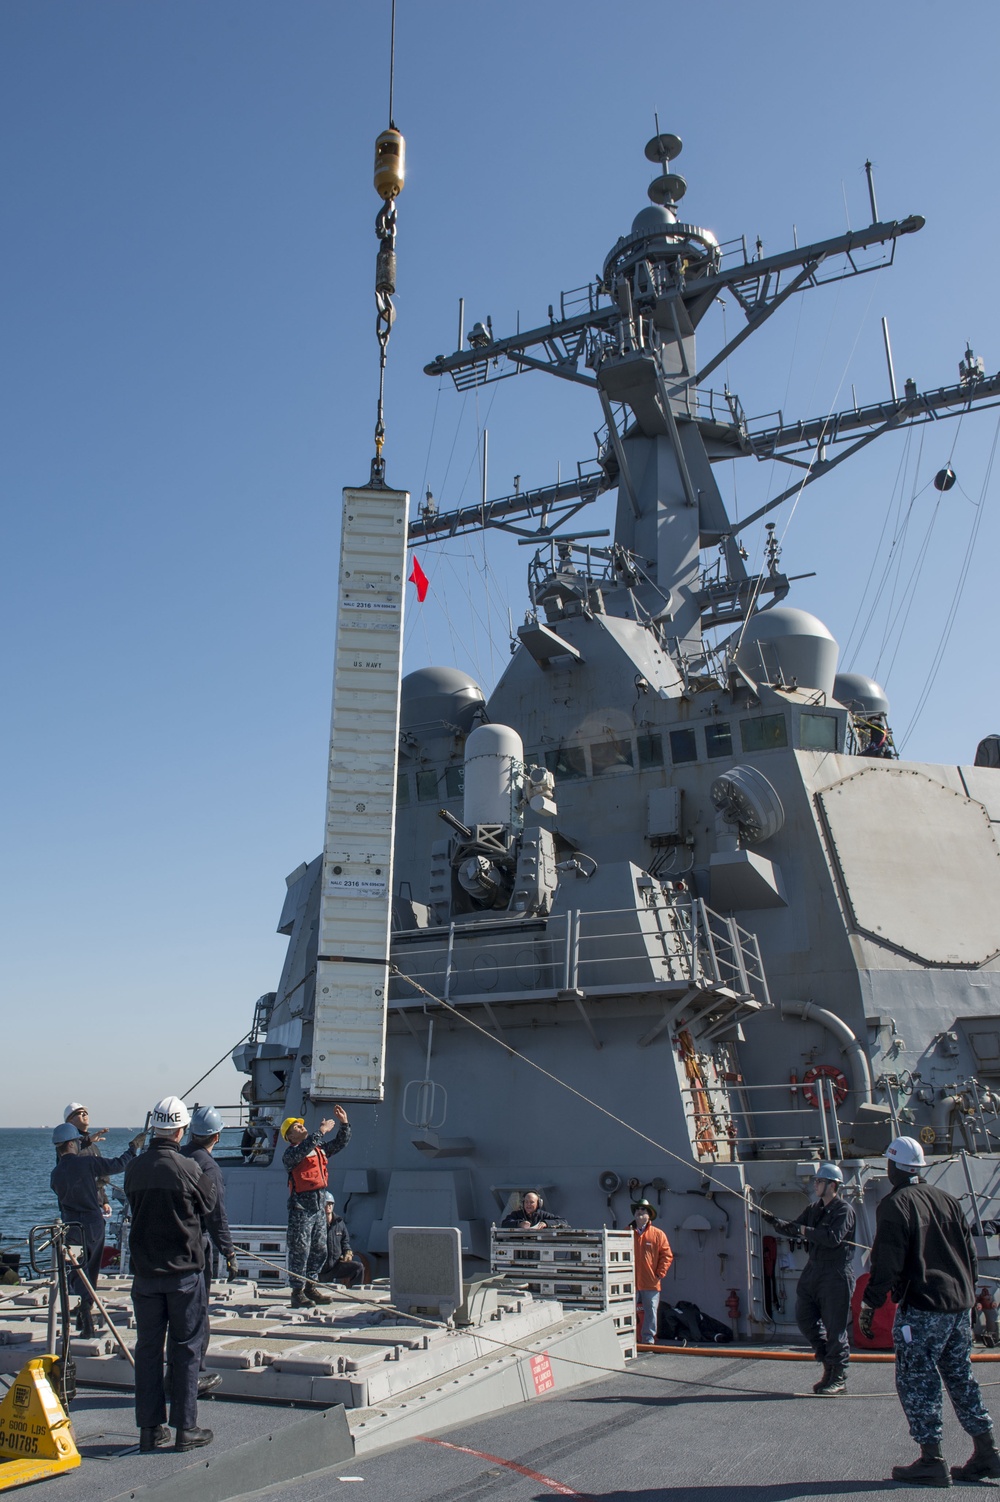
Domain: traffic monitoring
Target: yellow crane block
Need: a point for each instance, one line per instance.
(36, 1439)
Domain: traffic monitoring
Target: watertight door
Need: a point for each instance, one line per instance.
(355, 905)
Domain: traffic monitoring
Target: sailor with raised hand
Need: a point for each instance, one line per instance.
(77, 1115)
(170, 1197)
(305, 1158)
(75, 1182)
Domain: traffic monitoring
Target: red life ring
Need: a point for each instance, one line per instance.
(828, 1072)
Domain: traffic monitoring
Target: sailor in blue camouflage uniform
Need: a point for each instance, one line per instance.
(924, 1256)
(305, 1158)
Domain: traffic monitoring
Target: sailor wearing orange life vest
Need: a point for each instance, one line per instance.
(653, 1258)
(308, 1173)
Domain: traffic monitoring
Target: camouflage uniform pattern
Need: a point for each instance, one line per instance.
(940, 1347)
(306, 1239)
(306, 1242)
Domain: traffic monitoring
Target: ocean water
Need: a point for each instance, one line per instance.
(27, 1158)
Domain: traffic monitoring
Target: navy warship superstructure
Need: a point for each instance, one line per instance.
(671, 859)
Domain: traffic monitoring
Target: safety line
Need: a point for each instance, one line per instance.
(564, 1085)
(861, 1246)
(512, 1465)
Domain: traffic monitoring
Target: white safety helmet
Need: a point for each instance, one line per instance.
(906, 1152)
(74, 1105)
(168, 1114)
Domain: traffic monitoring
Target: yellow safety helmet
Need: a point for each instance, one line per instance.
(290, 1121)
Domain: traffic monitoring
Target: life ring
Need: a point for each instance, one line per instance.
(828, 1072)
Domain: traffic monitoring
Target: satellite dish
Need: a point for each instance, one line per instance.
(663, 148)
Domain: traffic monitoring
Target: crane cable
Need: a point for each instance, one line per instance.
(390, 174)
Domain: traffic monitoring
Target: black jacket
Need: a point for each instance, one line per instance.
(337, 1242)
(75, 1178)
(515, 1219)
(170, 1196)
(216, 1221)
(923, 1253)
(828, 1231)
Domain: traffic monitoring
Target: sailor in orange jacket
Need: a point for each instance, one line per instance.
(652, 1262)
(305, 1158)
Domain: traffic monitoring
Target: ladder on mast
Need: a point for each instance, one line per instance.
(352, 974)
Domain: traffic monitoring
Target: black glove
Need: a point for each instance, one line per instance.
(866, 1319)
(771, 1219)
(233, 1269)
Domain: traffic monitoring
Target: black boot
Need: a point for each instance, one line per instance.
(984, 1460)
(208, 1382)
(819, 1386)
(153, 1439)
(87, 1331)
(193, 1439)
(835, 1384)
(300, 1297)
(317, 1296)
(929, 1470)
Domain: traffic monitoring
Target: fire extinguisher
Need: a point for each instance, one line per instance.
(733, 1305)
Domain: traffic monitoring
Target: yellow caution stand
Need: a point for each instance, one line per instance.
(35, 1435)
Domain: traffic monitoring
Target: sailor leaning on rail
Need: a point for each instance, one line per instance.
(823, 1297)
(305, 1158)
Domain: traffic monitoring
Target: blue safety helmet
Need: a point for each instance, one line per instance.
(65, 1132)
(829, 1171)
(205, 1122)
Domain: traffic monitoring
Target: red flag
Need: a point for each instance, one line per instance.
(420, 579)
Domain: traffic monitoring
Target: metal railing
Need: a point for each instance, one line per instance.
(675, 943)
(798, 1128)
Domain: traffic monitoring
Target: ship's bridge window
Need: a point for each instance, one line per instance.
(427, 786)
(402, 788)
(718, 740)
(454, 781)
(683, 746)
(764, 733)
(818, 732)
(606, 755)
(650, 748)
(566, 763)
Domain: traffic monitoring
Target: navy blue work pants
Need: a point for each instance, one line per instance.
(823, 1313)
(89, 1257)
(174, 1305)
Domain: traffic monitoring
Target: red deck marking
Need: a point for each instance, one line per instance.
(512, 1465)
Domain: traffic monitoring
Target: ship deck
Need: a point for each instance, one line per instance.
(686, 1428)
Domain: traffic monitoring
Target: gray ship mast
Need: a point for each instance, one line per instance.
(631, 338)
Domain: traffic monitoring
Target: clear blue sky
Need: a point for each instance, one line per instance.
(188, 380)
